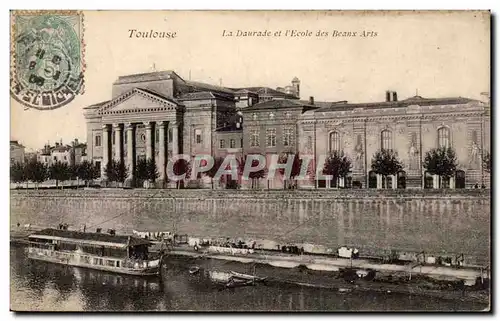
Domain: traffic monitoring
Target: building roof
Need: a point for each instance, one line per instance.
(145, 77)
(266, 91)
(208, 87)
(415, 100)
(279, 104)
(319, 104)
(91, 237)
(202, 95)
(232, 124)
(15, 142)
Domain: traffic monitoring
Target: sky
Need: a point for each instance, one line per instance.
(438, 54)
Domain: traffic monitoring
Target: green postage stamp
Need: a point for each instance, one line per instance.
(47, 57)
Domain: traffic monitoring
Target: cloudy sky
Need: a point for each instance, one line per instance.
(439, 54)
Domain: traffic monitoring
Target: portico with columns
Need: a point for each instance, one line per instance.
(135, 125)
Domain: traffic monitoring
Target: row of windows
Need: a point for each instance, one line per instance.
(272, 115)
(386, 139)
(271, 137)
(232, 143)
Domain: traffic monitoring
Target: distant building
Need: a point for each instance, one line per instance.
(16, 152)
(72, 154)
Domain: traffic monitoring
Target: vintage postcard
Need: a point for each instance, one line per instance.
(250, 161)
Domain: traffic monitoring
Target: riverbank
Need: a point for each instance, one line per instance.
(464, 284)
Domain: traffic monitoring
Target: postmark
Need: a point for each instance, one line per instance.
(47, 58)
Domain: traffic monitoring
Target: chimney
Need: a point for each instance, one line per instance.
(98, 230)
(311, 100)
(76, 141)
(388, 96)
(394, 96)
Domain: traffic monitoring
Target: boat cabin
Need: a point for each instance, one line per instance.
(92, 244)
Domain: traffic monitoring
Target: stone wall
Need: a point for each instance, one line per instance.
(437, 222)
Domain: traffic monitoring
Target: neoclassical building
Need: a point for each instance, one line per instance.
(157, 115)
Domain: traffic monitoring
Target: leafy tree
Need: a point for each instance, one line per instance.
(87, 172)
(385, 162)
(60, 172)
(218, 161)
(36, 172)
(338, 165)
(296, 167)
(151, 170)
(254, 176)
(116, 171)
(17, 173)
(442, 162)
(487, 162)
(181, 166)
(141, 170)
(110, 171)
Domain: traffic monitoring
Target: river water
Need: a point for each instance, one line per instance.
(41, 286)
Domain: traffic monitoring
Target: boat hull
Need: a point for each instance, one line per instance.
(152, 271)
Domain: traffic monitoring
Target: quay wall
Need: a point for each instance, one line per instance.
(376, 221)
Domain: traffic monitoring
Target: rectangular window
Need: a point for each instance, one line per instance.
(197, 135)
(98, 141)
(222, 143)
(386, 138)
(232, 143)
(254, 138)
(271, 137)
(287, 137)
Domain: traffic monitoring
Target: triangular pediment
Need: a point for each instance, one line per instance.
(138, 100)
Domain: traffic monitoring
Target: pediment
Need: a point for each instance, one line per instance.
(137, 101)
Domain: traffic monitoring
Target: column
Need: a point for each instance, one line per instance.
(379, 181)
(118, 142)
(149, 141)
(161, 151)
(175, 139)
(435, 181)
(394, 181)
(130, 153)
(452, 182)
(105, 150)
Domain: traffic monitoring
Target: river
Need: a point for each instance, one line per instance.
(41, 286)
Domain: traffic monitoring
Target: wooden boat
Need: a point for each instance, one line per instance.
(100, 251)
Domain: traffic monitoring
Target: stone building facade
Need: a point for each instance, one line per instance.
(160, 115)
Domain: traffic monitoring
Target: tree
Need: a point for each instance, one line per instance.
(141, 170)
(60, 172)
(338, 165)
(17, 173)
(295, 170)
(87, 172)
(254, 176)
(151, 170)
(385, 162)
(110, 171)
(218, 161)
(36, 172)
(487, 162)
(116, 171)
(182, 166)
(442, 162)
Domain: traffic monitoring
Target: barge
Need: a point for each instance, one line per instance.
(99, 251)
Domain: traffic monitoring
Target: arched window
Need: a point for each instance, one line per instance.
(459, 179)
(444, 137)
(386, 139)
(372, 179)
(402, 179)
(334, 142)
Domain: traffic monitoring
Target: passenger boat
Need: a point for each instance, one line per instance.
(100, 251)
